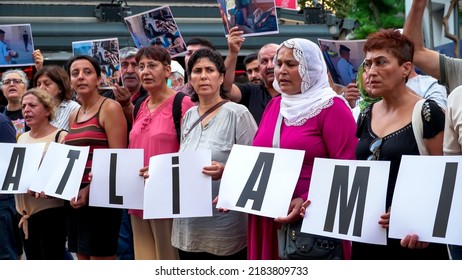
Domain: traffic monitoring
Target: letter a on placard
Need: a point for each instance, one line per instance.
(262, 166)
(176, 185)
(445, 201)
(347, 205)
(113, 197)
(16, 164)
(73, 155)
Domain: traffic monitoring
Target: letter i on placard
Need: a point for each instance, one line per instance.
(176, 184)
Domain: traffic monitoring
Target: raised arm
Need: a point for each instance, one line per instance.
(234, 44)
(425, 59)
(38, 59)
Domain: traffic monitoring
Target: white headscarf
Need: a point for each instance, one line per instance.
(316, 93)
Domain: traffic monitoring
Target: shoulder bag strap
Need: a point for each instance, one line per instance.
(277, 132)
(57, 135)
(417, 127)
(138, 105)
(218, 105)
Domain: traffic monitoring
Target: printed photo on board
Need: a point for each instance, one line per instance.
(156, 27)
(254, 17)
(16, 45)
(343, 59)
(106, 51)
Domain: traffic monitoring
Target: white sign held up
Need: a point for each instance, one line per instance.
(260, 181)
(347, 199)
(116, 182)
(177, 188)
(61, 171)
(427, 200)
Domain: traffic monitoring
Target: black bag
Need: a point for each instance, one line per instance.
(176, 111)
(296, 245)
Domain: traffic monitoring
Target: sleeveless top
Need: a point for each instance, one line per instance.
(88, 133)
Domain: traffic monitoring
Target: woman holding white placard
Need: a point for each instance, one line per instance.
(42, 218)
(308, 115)
(386, 132)
(214, 124)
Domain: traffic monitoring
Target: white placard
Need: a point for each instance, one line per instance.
(260, 181)
(177, 188)
(116, 182)
(18, 170)
(428, 199)
(61, 171)
(339, 216)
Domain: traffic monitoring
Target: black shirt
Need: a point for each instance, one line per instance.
(255, 98)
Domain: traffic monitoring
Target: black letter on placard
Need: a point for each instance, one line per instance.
(263, 165)
(16, 163)
(72, 155)
(358, 194)
(444, 204)
(113, 197)
(176, 185)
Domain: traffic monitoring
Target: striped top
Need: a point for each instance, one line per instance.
(88, 133)
(62, 114)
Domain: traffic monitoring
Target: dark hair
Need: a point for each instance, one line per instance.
(392, 41)
(155, 53)
(58, 75)
(216, 58)
(251, 57)
(200, 41)
(90, 59)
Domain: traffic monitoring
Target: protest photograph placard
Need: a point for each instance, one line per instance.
(156, 27)
(106, 51)
(255, 18)
(16, 45)
(343, 58)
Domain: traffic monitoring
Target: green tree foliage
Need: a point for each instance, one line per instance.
(341, 8)
(371, 14)
(376, 14)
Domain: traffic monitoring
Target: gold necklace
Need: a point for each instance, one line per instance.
(85, 111)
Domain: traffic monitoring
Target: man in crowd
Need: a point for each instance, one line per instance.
(252, 68)
(254, 96)
(129, 89)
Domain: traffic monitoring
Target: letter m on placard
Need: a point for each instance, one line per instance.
(347, 204)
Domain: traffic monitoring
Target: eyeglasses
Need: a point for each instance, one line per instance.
(14, 81)
(374, 148)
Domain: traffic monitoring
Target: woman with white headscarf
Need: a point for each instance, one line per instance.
(309, 116)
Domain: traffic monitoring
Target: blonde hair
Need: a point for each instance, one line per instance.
(45, 99)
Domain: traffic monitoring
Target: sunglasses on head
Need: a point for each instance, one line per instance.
(374, 148)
